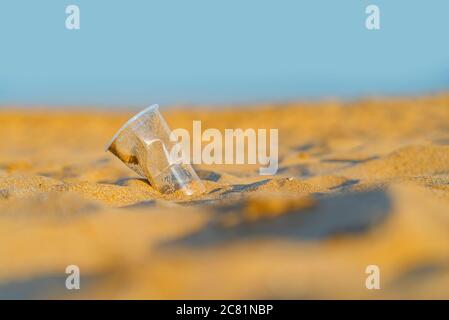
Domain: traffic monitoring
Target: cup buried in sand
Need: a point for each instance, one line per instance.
(143, 144)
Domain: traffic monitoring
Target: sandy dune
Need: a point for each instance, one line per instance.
(358, 184)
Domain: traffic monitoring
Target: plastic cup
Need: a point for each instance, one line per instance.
(143, 144)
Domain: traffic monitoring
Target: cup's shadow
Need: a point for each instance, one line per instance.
(333, 215)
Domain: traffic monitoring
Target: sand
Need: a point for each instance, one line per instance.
(361, 183)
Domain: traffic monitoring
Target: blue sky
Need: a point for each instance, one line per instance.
(209, 51)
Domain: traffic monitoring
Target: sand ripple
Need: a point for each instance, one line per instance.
(362, 184)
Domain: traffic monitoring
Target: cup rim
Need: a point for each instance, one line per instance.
(131, 120)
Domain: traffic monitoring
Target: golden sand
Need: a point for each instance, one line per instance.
(358, 184)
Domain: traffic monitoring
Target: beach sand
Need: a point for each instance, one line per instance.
(361, 183)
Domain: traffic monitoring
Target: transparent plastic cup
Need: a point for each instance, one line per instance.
(143, 144)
